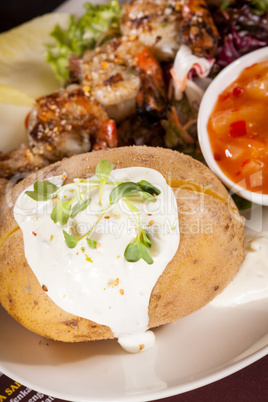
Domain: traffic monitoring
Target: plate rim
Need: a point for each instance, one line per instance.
(235, 364)
(170, 391)
(156, 395)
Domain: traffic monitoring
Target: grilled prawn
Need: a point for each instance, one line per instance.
(67, 122)
(20, 161)
(197, 28)
(124, 77)
(153, 23)
(163, 25)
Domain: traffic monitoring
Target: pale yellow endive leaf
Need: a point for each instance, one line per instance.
(13, 96)
(24, 74)
(22, 63)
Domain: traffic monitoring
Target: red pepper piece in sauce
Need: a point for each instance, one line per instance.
(224, 97)
(217, 157)
(238, 129)
(237, 91)
(245, 162)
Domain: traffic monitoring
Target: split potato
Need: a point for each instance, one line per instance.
(209, 255)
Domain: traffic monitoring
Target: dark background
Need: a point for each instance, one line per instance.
(15, 12)
(247, 385)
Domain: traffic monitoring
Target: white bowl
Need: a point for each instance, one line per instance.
(223, 79)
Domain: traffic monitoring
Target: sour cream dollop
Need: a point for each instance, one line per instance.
(100, 284)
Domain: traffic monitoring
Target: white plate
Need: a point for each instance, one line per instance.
(197, 350)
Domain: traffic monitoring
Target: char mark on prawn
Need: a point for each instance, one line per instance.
(197, 28)
(164, 25)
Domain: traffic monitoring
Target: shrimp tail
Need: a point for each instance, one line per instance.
(151, 100)
(106, 136)
(150, 104)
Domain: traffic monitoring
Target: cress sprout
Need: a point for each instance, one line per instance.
(64, 210)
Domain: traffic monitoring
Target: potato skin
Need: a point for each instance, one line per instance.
(210, 252)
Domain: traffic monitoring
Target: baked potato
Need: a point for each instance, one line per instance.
(209, 255)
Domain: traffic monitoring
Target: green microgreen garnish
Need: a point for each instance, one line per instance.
(145, 239)
(148, 187)
(66, 209)
(123, 190)
(79, 207)
(92, 243)
(129, 189)
(43, 190)
(103, 171)
(61, 212)
(138, 249)
(70, 240)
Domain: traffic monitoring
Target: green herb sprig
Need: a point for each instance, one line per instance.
(66, 209)
(43, 190)
(63, 210)
(103, 171)
(139, 247)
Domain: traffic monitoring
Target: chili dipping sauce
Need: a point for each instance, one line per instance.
(238, 129)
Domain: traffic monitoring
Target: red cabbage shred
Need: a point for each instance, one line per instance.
(242, 29)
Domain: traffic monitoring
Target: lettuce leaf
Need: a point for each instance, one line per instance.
(259, 6)
(82, 34)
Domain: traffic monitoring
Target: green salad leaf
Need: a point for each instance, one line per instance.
(241, 203)
(260, 6)
(82, 34)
